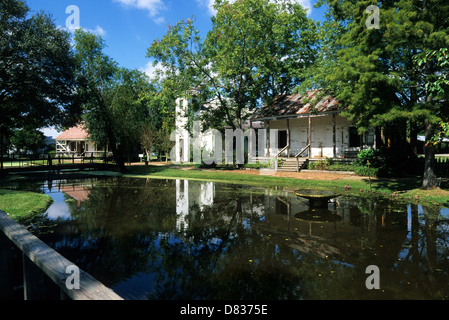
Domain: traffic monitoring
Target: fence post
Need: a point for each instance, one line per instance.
(8, 269)
(36, 285)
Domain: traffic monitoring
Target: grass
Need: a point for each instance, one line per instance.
(23, 206)
(406, 189)
(20, 205)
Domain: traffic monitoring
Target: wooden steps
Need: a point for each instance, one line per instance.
(289, 164)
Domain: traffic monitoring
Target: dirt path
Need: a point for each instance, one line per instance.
(305, 175)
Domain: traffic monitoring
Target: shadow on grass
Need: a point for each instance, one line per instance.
(400, 184)
(149, 169)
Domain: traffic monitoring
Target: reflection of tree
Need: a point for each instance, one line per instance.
(115, 225)
(227, 250)
(222, 258)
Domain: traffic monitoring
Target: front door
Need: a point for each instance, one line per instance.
(282, 141)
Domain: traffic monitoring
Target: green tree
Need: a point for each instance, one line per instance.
(37, 71)
(375, 72)
(161, 114)
(256, 50)
(114, 108)
(28, 139)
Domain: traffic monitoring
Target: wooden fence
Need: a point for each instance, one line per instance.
(442, 165)
(20, 160)
(41, 263)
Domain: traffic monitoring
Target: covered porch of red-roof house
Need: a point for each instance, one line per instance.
(75, 142)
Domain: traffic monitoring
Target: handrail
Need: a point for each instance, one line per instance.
(285, 148)
(303, 150)
(53, 264)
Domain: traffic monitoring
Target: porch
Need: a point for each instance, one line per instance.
(303, 132)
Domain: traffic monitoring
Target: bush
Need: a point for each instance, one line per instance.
(367, 171)
(317, 165)
(205, 166)
(257, 165)
(373, 156)
(330, 164)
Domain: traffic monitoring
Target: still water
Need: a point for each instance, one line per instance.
(178, 239)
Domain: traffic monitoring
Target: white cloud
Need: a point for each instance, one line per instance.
(159, 20)
(150, 70)
(153, 7)
(209, 5)
(98, 30)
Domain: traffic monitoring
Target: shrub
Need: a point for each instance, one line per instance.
(205, 166)
(373, 156)
(317, 165)
(367, 171)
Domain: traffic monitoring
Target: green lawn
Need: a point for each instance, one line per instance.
(23, 206)
(406, 189)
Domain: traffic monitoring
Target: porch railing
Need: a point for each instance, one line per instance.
(300, 153)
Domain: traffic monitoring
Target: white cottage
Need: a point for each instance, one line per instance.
(312, 129)
(295, 127)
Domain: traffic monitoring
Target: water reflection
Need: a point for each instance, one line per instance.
(177, 239)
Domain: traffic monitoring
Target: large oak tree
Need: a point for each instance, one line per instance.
(256, 50)
(113, 97)
(37, 71)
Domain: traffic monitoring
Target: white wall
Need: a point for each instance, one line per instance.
(322, 134)
(182, 138)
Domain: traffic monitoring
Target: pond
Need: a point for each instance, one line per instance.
(179, 239)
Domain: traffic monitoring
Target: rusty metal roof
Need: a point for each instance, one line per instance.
(297, 105)
(75, 133)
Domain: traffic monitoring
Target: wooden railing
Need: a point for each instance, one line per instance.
(285, 148)
(300, 153)
(27, 160)
(36, 253)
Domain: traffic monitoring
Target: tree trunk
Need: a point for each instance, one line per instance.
(413, 139)
(1, 149)
(430, 178)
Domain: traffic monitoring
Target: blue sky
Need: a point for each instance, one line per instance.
(130, 26)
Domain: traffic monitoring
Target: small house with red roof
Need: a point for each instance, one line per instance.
(76, 141)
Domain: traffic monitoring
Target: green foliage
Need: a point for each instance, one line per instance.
(28, 139)
(37, 70)
(256, 50)
(371, 156)
(366, 171)
(383, 77)
(115, 99)
(374, 71)
(330, 164)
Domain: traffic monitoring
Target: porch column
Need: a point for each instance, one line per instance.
(288, 138)
(267, 154)
(334, 134)
(310, 137)
(250, 143)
